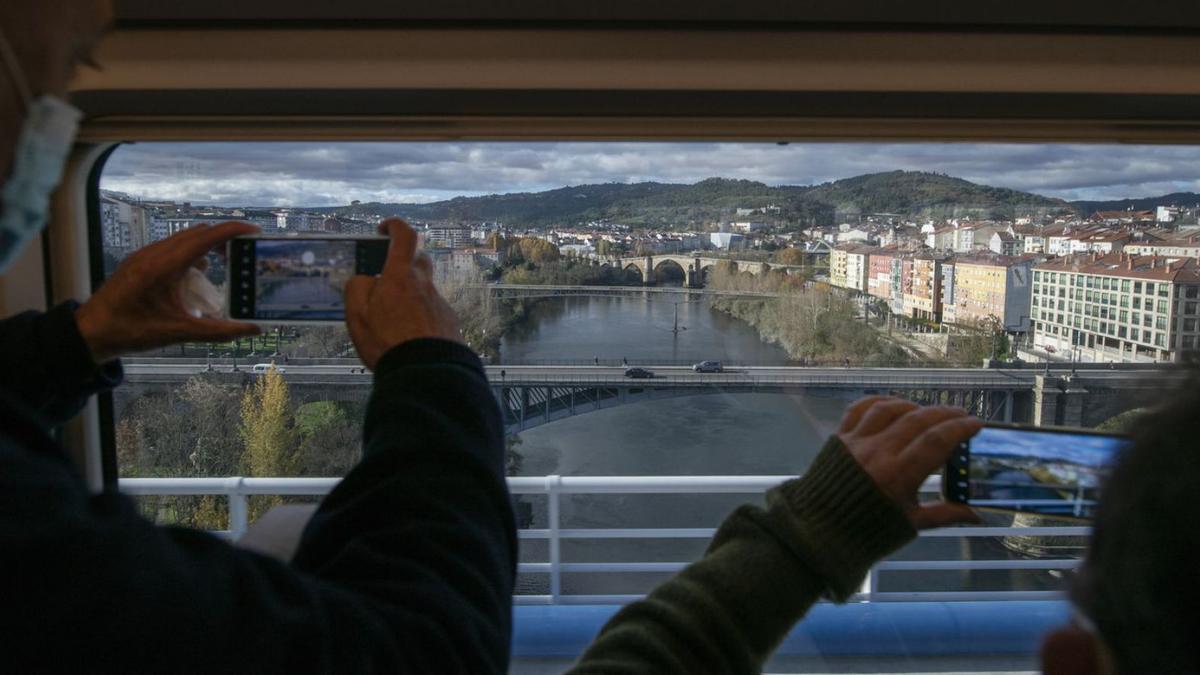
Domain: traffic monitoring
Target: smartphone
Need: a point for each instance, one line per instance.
(1044, 470)
(297, 279)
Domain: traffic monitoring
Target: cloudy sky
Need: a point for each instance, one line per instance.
(319, 174)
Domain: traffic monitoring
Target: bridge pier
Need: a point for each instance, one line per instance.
(648, 272)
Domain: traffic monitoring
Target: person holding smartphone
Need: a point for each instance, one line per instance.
(407, 566)
(1134, 598)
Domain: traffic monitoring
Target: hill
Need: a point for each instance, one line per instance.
(909, 193)
(928, 195)
(1138, 204)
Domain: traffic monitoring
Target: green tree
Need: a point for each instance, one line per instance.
(329, 439)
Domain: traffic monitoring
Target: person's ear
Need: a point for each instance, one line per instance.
(1071, 651)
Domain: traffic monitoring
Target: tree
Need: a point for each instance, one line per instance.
(329, 434)
(268, 432)
(789, 256)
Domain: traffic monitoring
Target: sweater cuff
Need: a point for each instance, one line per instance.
(425, 351)
(839, 522)
(71, 364)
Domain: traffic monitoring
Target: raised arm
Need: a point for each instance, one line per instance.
(819, 535)
(407, 567)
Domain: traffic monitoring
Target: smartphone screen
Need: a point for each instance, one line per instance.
(1045, 471)
(297, 279)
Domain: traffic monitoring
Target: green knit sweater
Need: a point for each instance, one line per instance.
(728, 611)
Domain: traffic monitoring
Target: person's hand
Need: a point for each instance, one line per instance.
(399, 305)
(141, 307)
(899, 444)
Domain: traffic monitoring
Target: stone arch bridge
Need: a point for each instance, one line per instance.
(695, 267)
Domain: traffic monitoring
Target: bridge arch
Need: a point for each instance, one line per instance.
(670, 271)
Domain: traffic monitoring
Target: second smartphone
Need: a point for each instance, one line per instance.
(1044, 470)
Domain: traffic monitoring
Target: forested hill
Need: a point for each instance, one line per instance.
(1189, 199)
(908, 193)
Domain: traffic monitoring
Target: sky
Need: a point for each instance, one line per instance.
(326, 174)
(1091, 450)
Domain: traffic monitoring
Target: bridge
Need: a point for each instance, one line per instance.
(550, 291)
(695, 267)
(530, 395)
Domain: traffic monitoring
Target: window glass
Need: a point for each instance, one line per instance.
(566, 263)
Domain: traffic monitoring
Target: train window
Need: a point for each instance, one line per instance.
(670, 310)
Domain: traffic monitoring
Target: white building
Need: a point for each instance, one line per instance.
(726, 240)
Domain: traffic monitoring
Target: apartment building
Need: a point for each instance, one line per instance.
(1117, 308)
(880, 273)
(858, 259)
(1182, 247)
(923, 287)
(837, 266)
(989, 285)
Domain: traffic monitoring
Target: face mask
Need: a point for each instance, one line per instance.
(38, 161)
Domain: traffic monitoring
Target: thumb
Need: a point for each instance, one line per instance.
(941, 514)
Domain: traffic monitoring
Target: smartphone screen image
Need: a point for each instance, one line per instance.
(297, 280)
(1025, 469)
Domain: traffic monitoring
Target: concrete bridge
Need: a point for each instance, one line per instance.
(533, 395)
(694, 267)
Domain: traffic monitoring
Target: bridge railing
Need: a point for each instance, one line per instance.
(237, 489)
(911, 380)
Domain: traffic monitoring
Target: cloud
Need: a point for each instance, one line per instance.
(317, 174)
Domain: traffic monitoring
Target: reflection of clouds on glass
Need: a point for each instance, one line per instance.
(1086, 449)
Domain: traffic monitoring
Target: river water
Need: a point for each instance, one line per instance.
(711, 434)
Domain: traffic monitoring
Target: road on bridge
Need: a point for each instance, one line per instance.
(350, 371)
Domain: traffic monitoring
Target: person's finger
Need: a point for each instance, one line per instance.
(201, 264)
(881, 415)
(423, 264)
(357, 295)
(855, 412)
(909, 425)
(942, 514)
(933, 446)
(187, 249)
(215, 330)
(404, 244)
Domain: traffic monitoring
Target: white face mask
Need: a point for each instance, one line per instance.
(38, 161)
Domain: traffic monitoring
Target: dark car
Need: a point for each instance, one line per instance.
(639, 373)
(708, 367)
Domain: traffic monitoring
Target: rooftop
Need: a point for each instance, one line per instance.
(1154, 267)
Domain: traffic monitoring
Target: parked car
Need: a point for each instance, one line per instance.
(708, 367)
(639, 373)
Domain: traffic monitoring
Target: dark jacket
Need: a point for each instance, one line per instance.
(407, 566)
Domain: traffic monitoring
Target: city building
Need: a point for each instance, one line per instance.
(881, 272)
(980, 287)
(837, 266)
(1187, 246)
(1119, 307)
(448, 236)
(857, 262)
(726, 240)
(748, 226)
(1004, 243)
(923, 288)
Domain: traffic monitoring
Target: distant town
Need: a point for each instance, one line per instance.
(1109, 286)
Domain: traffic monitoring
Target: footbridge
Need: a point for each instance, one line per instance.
(530, 396)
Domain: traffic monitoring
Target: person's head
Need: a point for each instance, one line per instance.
(1137, 593)
(42, 43)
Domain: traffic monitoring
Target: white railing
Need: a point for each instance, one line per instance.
(237, 489)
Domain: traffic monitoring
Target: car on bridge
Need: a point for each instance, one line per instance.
(708, 367)
(264, 367)
(639, 373)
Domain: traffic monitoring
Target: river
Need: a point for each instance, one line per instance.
(711, 434)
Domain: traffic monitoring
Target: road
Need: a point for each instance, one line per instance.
(349, 371)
